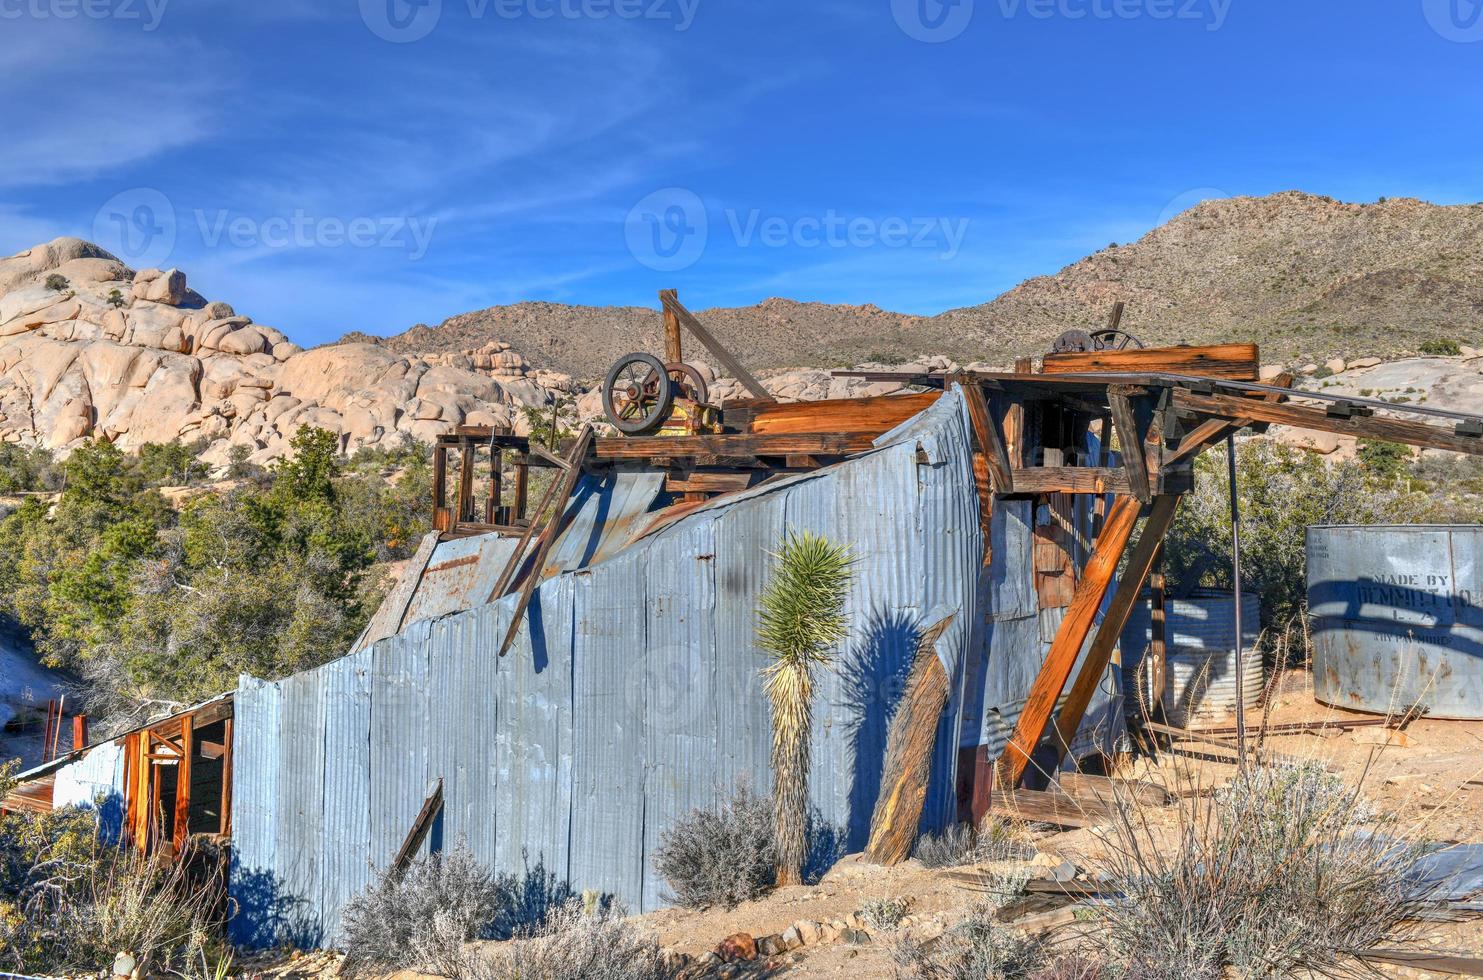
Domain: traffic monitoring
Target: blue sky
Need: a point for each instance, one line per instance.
(333, 165)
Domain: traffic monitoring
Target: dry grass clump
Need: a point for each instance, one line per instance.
(574, 944)
(883, 914)
(721, 856)
(424, 918)
(978, 948)
(996, 840)
(69, 902)
(1284, 872)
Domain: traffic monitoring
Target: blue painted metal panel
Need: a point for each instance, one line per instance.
(346, 860)
(260, 905)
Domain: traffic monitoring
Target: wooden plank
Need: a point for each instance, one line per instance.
(1402, 431)
(1084, 688)
(1232, 362)
(1211, 431)
(1130, 441)
(718, 350)
(673, 349)
(548, 536)
(1158, 638)
(1037, 480)
(875, 415)
(909, 742)
(1066, 647)
(420, 828)
(691, 481)
(516, 559)
(989, 440)
(1437, 961)
(226, 781)
(744, 444)
(465, 509)
(1033, 806)
(183, 787)
(1103, 789)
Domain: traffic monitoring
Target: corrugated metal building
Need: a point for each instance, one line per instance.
(633, 696)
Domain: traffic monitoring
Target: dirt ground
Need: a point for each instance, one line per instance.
(1431, 776)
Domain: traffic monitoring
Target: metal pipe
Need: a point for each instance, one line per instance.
(1236, 591)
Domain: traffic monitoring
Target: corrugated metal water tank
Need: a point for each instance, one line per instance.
(1200, 658)
(1395, 619)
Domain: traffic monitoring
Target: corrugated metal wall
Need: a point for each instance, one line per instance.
(632, 695)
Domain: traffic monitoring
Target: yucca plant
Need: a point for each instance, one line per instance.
(802, 618)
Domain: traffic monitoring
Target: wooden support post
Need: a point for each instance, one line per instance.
(1150, 542)
(1066, 647)
(226, 781)
(673, 349)
(548, 536)
(496, 484)
(465, 509)
(522, 490)
(989, 440)
(1158, 639)
(183, 786)
(717, 349)
(909, 742)
(420, 828)
(79, 732)
(1130, 441)
(441, 520)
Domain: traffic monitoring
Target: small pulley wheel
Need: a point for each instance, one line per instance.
(688, 382)
(1115, 340)
(638, 394)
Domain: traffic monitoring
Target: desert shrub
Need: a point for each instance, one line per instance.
(1279, 875)
(57, 282)
(886, 358)
(977, 948)
(1385, 461)
(424, 918)
(721, 856)
(574, 944)
(68, 901)
(116, 299)
(24, 469)
(1001, 839)
(1441, 347)
(950, 849)
(882, 913)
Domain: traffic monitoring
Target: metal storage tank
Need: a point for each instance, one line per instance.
(1395, 622)
(1200, 655)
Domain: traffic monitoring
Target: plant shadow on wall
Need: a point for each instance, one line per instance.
(157, 601)
(1283, 490)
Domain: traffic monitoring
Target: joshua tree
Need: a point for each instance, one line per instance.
(802, 618)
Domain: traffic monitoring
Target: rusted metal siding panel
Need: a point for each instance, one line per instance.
(460, 575)
(256, 889)
(346, 857)
(400, 733)
(1397, 618)
(606, 513)
(609, 684)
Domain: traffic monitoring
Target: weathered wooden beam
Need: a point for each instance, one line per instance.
(1434, 961)
(182, 820)
(699, 481)
(990, 441)
(742, 444)
(1211, 431)
(226, 778)
(548, 536)
(909, 742)
(1234, 362)
(671, 302)
(1034, 806)
(873, 415)
(673, 350)
(1035, 480)
(1094, 667)
(1130, 441)
(1402, 431)
(1104, 789)
(513, 563)
(1040, 704)
(421, 826)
